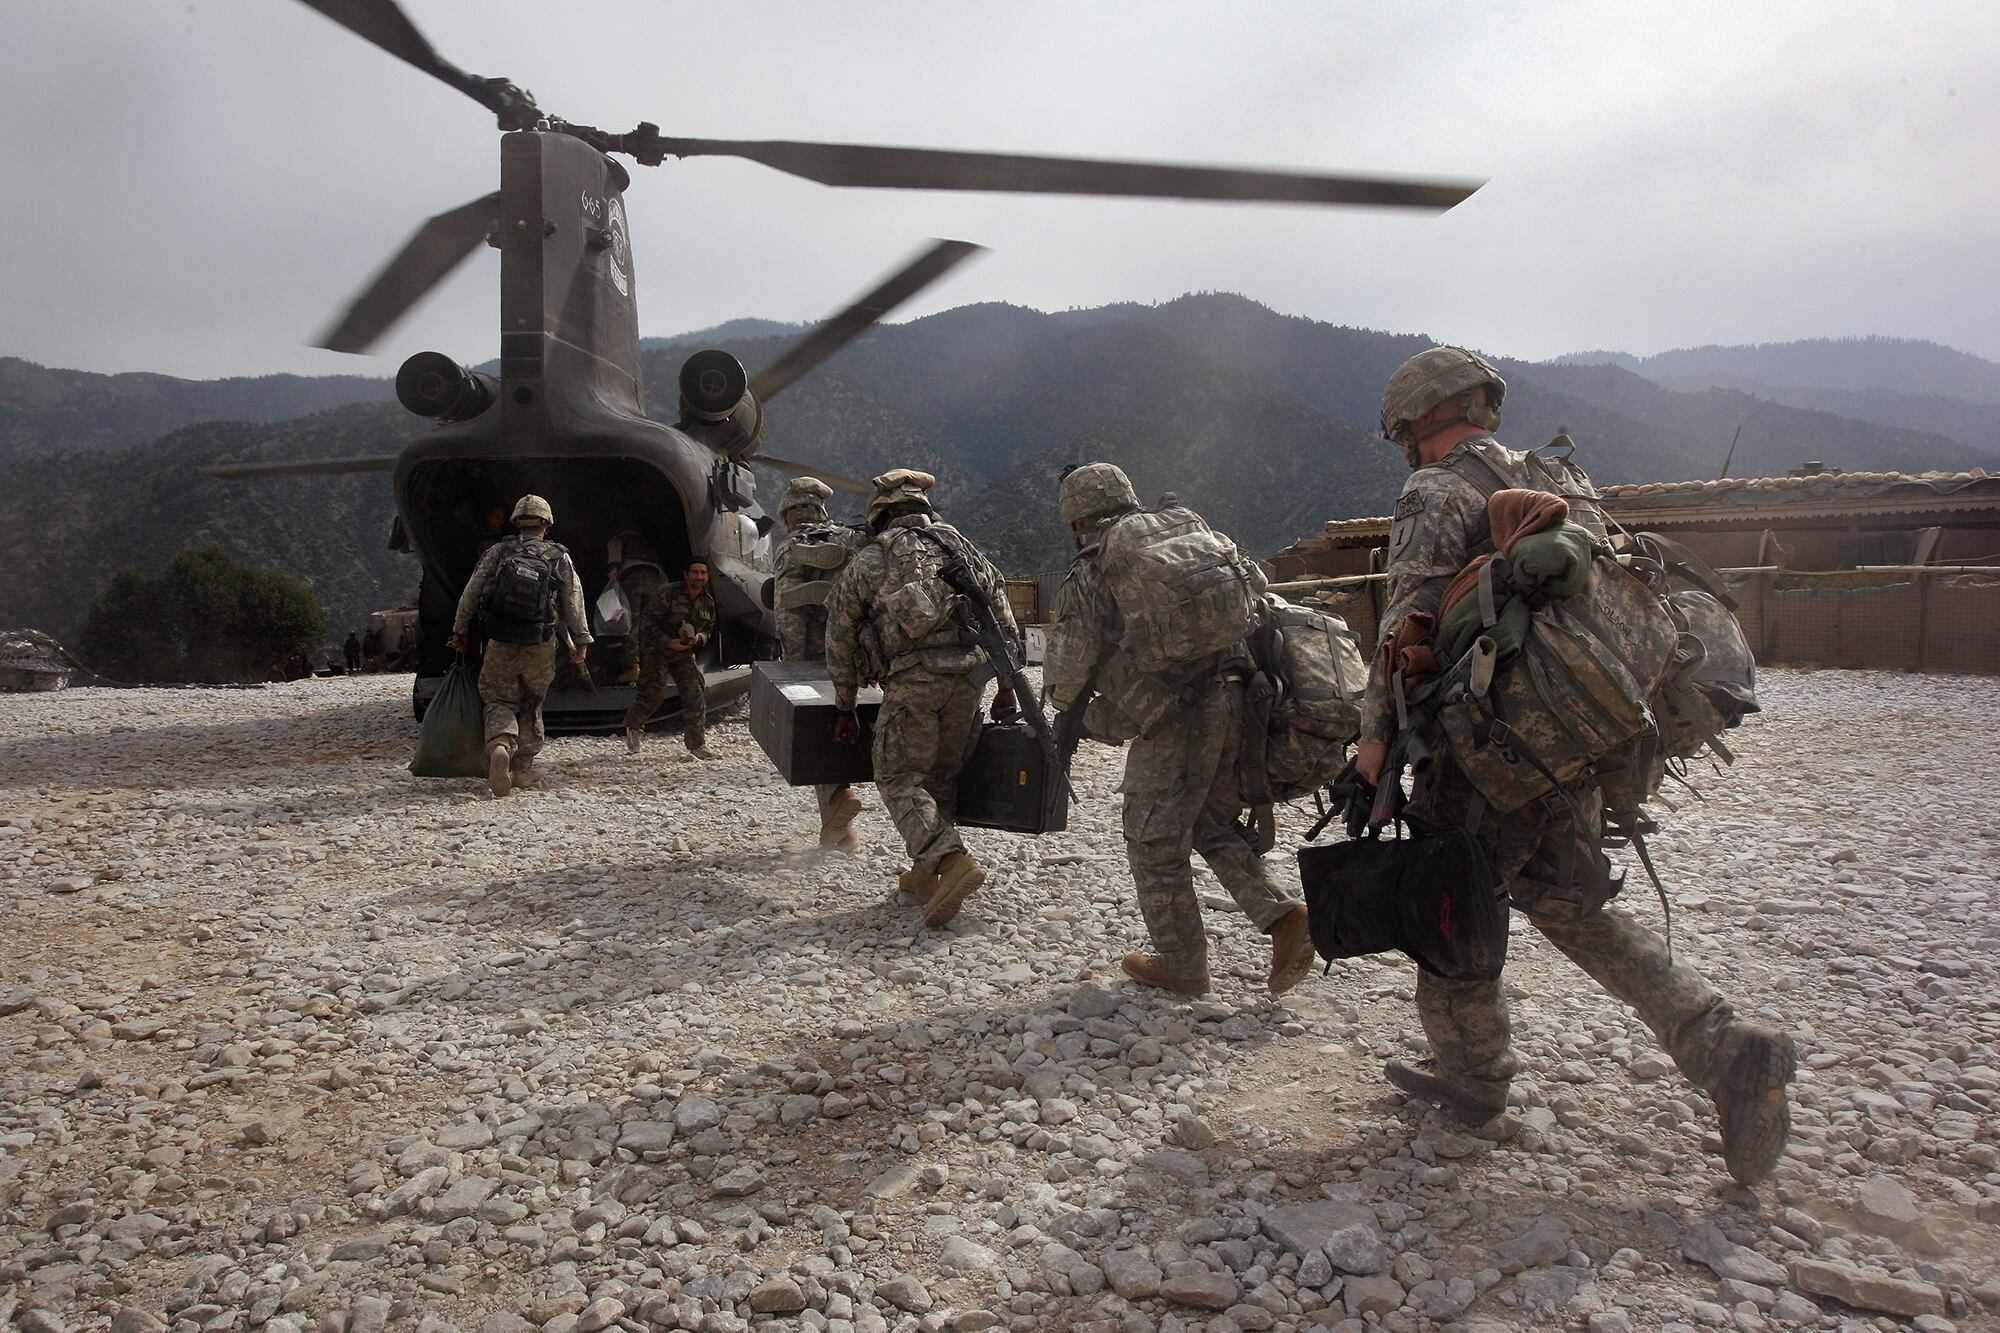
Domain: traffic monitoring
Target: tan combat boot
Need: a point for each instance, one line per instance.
(958, 877)
(836, 825)
(1291, 950)
(1422, 1081)
(1756, 1117)
(918, 882)
(499, 765)
(1149, 969)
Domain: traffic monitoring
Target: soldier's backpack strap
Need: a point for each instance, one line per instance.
(1478, 470)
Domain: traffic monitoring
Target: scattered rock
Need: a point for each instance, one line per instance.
(1867, 1291)
(1357, 1248)
(1203, 1291)
(905, 1293)
(777, 1295)
(1305, 1227)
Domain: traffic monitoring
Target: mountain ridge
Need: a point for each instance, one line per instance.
(1264, 422)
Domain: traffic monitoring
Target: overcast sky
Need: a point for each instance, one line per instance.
(195, 187)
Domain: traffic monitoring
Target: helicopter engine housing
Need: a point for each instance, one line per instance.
(433, 385)
(717, 406)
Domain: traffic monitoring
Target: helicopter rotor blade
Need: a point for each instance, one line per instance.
(950, 169)
(383, 23)
(431, 253)
(833, 479)
(863, 313)
(305, 466)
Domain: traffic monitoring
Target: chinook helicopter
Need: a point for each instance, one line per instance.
(565, 418)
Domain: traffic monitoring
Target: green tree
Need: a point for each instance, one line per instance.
(205, 618)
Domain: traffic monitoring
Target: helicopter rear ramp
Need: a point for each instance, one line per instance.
(576, 710)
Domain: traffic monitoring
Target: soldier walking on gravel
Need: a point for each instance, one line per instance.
(1182, 708)
(811, 558)
(1441, 407)
(929, 723)
(678, 625)
(521, 589)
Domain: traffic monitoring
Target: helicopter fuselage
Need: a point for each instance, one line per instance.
(564, 420)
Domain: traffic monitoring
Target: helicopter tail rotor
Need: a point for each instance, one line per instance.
(431, 253)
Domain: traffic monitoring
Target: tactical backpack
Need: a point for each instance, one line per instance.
(810, 563)
(1303, 704)
(1185, 593)
(921, 612)
(1639, 673)
(519, 605)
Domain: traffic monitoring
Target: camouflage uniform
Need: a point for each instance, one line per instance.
(644, 582)
(1440, 524)
(929, 723)
(803, 583)
(1183, 793)
(666, 620)
(514, 679)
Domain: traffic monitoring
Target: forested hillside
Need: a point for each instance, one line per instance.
(1264, 422)
(45, 412)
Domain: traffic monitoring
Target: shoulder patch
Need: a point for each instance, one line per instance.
(1411, 501)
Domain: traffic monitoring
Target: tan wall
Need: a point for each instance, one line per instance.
(1928, 623)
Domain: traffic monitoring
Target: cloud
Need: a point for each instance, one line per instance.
(206, 184)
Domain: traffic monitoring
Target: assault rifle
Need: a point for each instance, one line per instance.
(960, 578)
(1406, 751)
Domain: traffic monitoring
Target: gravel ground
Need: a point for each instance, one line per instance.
(291, 1040)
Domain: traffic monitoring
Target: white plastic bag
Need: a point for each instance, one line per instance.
(614, 613)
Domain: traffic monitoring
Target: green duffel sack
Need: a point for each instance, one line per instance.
(451, 742)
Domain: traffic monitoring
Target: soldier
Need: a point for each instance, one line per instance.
(676, 628)
(636, 565)
(929, 723)
(519, 591)
(811, 557)
(352, 649)
(1442, 406)
(1182, 790)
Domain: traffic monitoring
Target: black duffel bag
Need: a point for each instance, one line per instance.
(1432, 895)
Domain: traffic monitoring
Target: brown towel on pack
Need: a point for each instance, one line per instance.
(1409, 651)
(1511, 515)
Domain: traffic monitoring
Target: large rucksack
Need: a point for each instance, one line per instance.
(810, 562)
(1304, 704)
(1642, 670)
(519, 605)
(920, 612)
(1185, 592)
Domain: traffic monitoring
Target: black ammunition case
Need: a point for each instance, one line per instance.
(1010, 783)
(791, 716)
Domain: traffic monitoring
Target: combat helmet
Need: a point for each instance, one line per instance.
(896, 487)
(1429, 378)
(533, 508)
(804, 493)
(1094, 490)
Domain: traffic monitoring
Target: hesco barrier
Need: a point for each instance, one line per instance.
(1871, 621)
(1907, 619)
